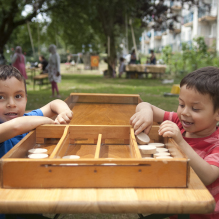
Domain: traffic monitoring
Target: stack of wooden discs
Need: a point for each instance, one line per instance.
(37, 153)
(151, 150)
(161, 151)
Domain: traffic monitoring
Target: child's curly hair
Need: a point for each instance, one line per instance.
(8, 71)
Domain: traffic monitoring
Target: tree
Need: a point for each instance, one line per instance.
(89, 21)
(11, 15)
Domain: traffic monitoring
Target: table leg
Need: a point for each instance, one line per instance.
(34, 81)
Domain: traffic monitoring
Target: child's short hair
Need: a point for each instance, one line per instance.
(8, 71)
(205, 81)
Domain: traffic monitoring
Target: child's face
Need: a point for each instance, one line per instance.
(196, 113)
(13, 99)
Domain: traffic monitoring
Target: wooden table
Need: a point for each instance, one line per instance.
(43, 80)
(96, 109)
(32, 71)
(140, 69)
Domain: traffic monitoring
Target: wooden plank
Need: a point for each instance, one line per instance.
(62, 150)
(154, 137)
(192, 200)
(51, 175)
(78, 132)
(134, 146)
(50, 131)
(102, 114)
(97, 153)
(60, 144)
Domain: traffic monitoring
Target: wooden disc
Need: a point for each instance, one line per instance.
(146, 149)
(71, 157)
(37, 156)
(142, 138)
(37, 151)
(161, 154)
(164, 157)
(158, 145)
(162, 150)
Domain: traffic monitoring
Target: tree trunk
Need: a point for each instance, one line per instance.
(112, 58)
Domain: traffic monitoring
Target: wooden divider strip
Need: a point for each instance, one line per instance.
(97, 152)
(60, 143)
(134, 145)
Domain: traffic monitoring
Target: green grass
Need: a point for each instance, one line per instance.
(150, 90)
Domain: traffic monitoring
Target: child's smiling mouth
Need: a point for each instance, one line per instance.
(11, 115)
(186, 124)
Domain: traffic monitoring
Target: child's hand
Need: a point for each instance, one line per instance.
(141, 121)
(57, 74)
(64, 117)
(170, 129)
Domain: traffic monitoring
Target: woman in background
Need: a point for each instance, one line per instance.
(19, 60)
(53, 69)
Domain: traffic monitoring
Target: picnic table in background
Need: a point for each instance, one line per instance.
(140, 69)
(33, 71)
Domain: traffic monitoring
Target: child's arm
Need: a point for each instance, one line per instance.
(145, 114)
(21, 125)
(58, 107)
(206, 172)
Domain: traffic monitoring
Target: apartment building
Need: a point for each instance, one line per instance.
(193, 22)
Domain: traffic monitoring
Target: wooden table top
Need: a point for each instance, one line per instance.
(194, 199)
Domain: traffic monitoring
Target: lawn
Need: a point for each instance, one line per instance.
(86, 81)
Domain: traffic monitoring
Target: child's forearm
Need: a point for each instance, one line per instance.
(21, 125)
(54, 107)
(206, 172)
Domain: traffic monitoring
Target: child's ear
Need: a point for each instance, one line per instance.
(217, 115)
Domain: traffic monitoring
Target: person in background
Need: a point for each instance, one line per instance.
(122, 66)
(43, 63)
(133, 57)
(153, 58)
(19, 61)
(53, 69)
(194, 127)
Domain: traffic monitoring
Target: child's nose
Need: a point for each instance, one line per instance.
(185, 111)
(11, 102)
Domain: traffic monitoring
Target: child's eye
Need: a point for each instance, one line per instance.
(1, 97)
(181, 105)
(18, 96)
(195, 109)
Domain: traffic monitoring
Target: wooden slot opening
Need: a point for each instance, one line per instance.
(103, 98)
(115, 151)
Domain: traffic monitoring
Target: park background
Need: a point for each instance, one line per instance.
(109, 29)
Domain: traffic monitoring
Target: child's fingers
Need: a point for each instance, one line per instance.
(147, 130)
(168, 134)
(139, 128)
(69, 115)
(132, 119)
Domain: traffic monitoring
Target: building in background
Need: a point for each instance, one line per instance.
(194, 22)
